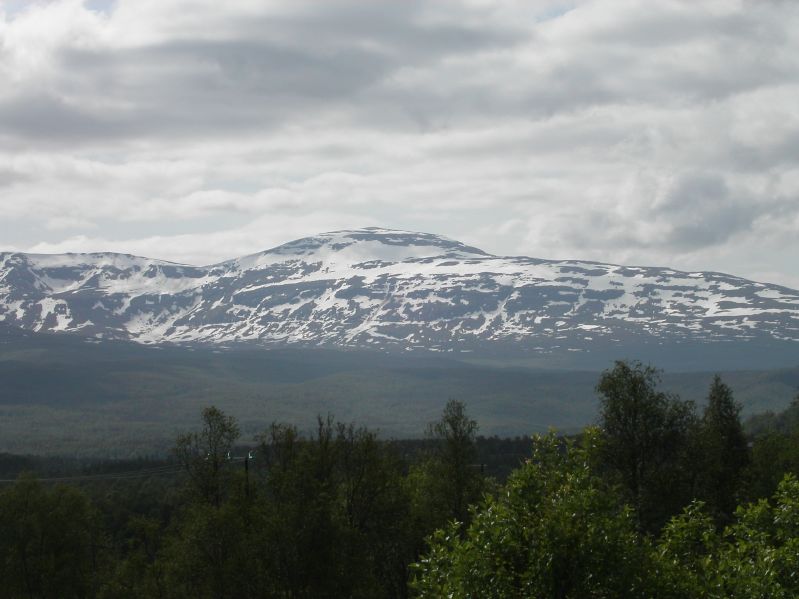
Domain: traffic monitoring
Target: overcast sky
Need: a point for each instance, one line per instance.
(651, 132)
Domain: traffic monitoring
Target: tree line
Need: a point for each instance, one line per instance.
(660, 499)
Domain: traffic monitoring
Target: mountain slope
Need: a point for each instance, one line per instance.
(388, 289)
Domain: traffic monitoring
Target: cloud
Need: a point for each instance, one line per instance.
(622, 131)
(207, 248)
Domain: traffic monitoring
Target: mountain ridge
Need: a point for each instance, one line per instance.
(392, 290)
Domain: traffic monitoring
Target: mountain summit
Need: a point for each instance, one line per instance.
(370, 243)
(395, 290)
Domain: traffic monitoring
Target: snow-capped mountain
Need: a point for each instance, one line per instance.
(391, 290)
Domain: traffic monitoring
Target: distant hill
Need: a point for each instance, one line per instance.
(60, 393)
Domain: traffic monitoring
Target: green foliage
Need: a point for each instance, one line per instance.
(204, 454)
(558, 530)
(216, 552)
(51, 545)
(773, 456)
(555, 530)
(303, 518)
(339, 513)
(756, 557)
(140, 573)
(685, 548)
(315, 510)
(785, 422)
(724, 453)
(455, 476)
(646, 442)
(443, 485)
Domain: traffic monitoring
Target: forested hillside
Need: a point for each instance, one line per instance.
(63, 396)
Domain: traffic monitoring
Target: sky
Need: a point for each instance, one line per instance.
(636, 132)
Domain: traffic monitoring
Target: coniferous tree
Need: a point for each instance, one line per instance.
(725, 452)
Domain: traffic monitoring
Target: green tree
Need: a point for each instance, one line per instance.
(335, 513)
(212, 550)
(460, 481)
(443, 484)
(688, 544)
(646, 441)
(216, 552)
(303, 529)
(725, 452)
(773, 456)
(555, 530)
(756, 557)
(775, 450)
(139, 571)
(51, 545)
(375, 506)
(205, 454)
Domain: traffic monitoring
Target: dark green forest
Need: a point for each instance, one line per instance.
(664, 497)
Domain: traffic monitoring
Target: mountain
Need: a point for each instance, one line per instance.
(398, 290)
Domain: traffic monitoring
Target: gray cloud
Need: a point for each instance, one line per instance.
(43, 117)
(701, 212)
(269, 71)
(10, 177)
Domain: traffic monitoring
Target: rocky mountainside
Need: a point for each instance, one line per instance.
(392, 289)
